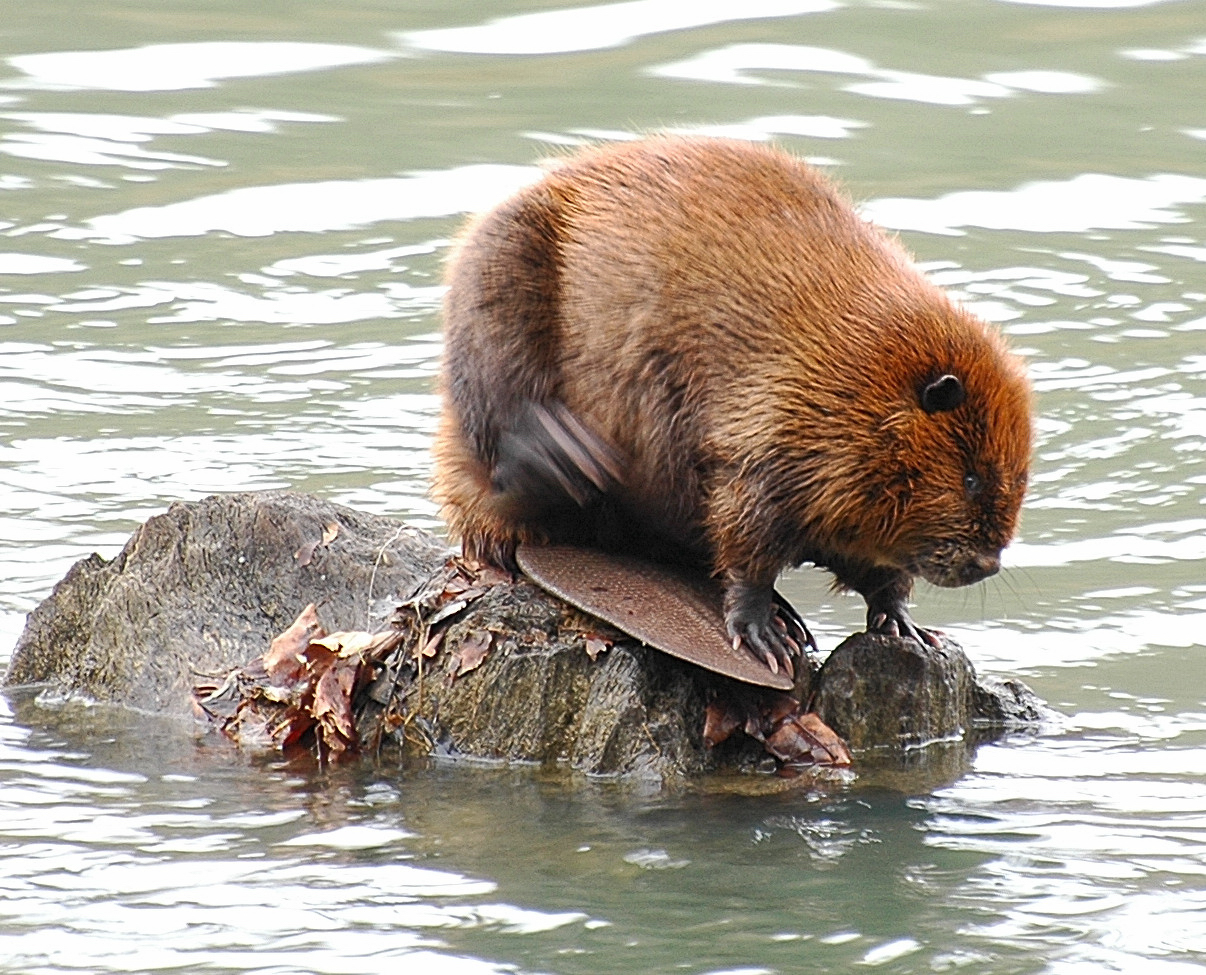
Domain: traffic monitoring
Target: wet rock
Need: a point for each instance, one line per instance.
(539, 697)
(887, 692)
(205, 586)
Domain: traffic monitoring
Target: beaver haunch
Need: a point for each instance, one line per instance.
(695, 349)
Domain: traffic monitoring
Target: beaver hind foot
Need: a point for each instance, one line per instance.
(761, 622)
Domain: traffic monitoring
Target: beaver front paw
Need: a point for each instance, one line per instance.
(764, 624)
(892, 619)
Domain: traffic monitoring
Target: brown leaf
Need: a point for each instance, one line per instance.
(261, 723)
(456, 585)
(318, 657)
(596, 645)
(804, 739)
(447, 611)
(332, 707)
(720, 720)
(285, 659)
(368, 646)
(776, 707)
(306, 552)
(345, 643)
(429, 648)
(833, 744)
(472, 652)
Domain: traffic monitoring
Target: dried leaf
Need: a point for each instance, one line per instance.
(285, 659)
(804, 739)
(456, 585)
(776, 707)
(318, 657)
(447, 611)
(596, 645)
(275, 694)
(472, 652)
(306, 682)
(261, 723)
(291, 730)
(826, 737)
(332, 707)
(721, 719)
(429, 648)
(347, 642)
(306, 553)
(369, 646)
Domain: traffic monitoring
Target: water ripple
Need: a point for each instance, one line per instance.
(172, 67)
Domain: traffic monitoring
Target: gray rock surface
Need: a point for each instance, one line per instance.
(891, 693)
(539, 697)
(205, 586)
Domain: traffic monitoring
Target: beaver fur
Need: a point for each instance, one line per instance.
(695, 349)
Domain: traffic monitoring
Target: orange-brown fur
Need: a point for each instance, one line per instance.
(753, 351)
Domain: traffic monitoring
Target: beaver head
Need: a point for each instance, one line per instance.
(954, 460)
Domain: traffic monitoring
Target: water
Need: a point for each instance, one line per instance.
(221, 232)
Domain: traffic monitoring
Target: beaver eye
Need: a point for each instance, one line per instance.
(971, 483)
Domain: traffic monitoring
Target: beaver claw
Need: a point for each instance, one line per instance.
(765, 625)
(896, 621)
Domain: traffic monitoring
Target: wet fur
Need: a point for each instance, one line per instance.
(752, 351)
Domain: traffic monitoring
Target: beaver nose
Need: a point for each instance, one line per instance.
(981, 566)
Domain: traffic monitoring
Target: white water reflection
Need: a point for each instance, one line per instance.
(595, 28)
(350, 265)
(766, 127)
(330, 205)
(96, 139)
(209, 302)
(172, 67)
(11, 263)
(1083, 203)
(742, 63)
(97, 152)
(1046, 82)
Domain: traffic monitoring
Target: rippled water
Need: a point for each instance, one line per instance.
(221, 232)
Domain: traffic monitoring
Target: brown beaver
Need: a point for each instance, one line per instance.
(695, 349)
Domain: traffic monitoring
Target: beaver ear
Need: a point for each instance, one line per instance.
(943, 394)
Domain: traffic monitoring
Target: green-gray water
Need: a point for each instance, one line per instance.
(221, 232)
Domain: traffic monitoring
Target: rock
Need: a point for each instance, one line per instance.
(203, 589)
(205, 586)
(539, 697)
(888, 692)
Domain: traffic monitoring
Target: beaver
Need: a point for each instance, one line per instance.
(696, 350)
